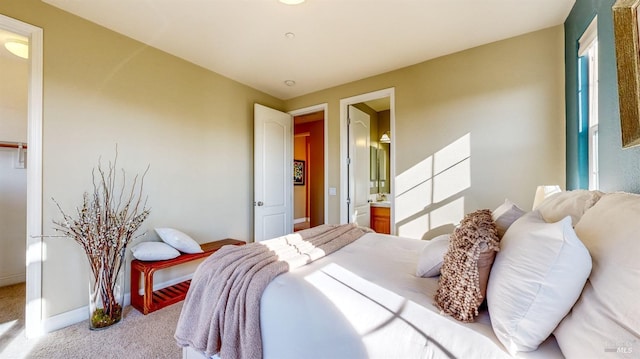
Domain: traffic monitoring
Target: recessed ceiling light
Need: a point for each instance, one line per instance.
(290, 35)
(289, 83)
(292, 2)
(18, 48)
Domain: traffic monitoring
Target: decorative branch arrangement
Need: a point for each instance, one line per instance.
(105, 225)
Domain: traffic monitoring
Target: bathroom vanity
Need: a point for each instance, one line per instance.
(381, 217)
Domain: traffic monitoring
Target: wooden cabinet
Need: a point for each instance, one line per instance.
(381, 219)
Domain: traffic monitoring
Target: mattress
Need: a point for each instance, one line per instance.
(365, 301)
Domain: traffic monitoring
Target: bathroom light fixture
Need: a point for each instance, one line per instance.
(292, 2)
(385, 137)
(17, 48)
(289, 83)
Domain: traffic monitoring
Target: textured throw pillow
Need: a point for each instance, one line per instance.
(432, 255)
(606, 318)
(154, 251)
(505, 215)
(466, 266)
(178, 240)
(569, 203)
(536, 278)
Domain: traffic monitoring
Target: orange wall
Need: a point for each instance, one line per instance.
(315, 169)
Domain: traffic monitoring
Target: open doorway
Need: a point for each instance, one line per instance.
(25, 37)
(367, 160)
(14, 71)
(310, 164)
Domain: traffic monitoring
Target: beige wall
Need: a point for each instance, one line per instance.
(315, 168)
(193, 127)
(489, 121)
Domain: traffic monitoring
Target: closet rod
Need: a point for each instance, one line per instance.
(12, 145)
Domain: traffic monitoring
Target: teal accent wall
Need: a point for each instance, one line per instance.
(619, 168)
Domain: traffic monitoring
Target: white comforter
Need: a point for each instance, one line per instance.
(364, 301)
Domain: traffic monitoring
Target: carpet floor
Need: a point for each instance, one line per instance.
(137, 336)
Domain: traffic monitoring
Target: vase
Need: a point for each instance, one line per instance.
(106, 295)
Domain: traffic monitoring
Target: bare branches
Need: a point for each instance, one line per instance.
(106, 223)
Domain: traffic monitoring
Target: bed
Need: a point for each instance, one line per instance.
(365, 301)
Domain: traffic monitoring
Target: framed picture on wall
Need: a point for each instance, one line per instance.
(625, 25)
(298, 172)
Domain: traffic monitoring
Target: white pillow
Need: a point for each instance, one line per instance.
(536, 278)
(432, 256)
(178, 240)
(606, 318)
(505, 215)
(570, 203)
(154, 251)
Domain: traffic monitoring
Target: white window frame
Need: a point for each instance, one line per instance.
(588, 47)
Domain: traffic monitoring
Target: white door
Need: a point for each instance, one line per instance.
(359, 133)
(273, 173)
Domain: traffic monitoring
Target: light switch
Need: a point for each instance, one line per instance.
(332, 191)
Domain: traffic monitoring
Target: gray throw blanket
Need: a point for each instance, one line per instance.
(221, 313)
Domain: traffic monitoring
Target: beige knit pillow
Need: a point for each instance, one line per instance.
(466, 267)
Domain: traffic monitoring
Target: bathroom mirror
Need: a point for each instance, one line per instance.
(373, 164)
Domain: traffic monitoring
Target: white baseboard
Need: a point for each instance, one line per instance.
(13, 279)
(74, 316)
(300, 220)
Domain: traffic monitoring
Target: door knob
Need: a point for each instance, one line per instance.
(260, 203)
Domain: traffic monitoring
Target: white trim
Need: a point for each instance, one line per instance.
(588, 37)
(65, 319)
(12, 279)
(311, 109)
(301, 220)
(344, 190)
(34, 256)
(77, 315)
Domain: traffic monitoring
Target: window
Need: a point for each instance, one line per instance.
(588, 102)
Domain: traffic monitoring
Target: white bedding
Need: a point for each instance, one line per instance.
(364, 301)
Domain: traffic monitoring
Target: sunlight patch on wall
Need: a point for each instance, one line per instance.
(415, 227)
(414, 200)
(414, 176)
(450, 213)
(428, 195)
(452, 181)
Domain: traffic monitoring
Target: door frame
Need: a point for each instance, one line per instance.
(344, 149)
(34, 252)
(311, 109)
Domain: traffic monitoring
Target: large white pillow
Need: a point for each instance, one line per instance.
(536, 278)
(605, 321)
(154, 251)
(570, 203)
(178, 240)
(432, 256)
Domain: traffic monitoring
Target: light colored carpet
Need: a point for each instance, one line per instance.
(136, 336)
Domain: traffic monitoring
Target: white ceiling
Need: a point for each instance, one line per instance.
(336, 41)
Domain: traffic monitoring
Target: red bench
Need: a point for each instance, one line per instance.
(151, 301)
